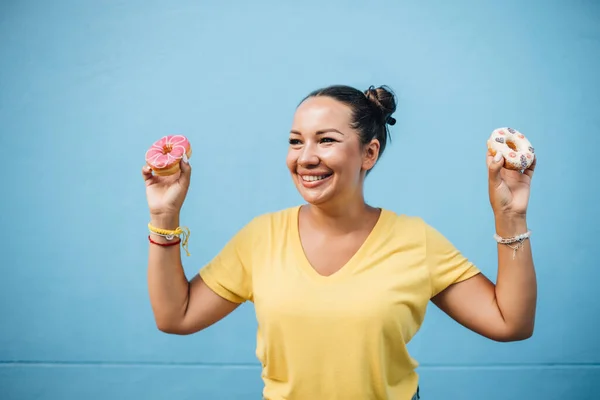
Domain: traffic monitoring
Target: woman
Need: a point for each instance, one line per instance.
(340, 286)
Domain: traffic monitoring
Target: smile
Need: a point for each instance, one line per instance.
(312, 181)
(313, 178)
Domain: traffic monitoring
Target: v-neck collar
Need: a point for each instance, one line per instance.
(348, 267)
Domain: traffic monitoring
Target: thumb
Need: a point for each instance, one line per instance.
(186, 170)
(495, 165)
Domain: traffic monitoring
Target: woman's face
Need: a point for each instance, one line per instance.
(326, 158)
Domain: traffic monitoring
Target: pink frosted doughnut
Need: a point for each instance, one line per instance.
(514, 146)
(164, 155)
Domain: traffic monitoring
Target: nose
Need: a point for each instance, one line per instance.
(308, 156)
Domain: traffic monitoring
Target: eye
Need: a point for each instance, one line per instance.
(294, 142)
(327, 140)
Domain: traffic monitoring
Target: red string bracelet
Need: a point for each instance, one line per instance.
(164, 244)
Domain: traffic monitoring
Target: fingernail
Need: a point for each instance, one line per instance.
(185, 159)
(497, 157)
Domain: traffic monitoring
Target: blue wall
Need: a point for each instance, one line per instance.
(87, 86)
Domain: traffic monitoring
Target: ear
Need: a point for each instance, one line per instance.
(370, 154)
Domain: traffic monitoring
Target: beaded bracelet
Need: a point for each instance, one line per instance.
(184, 232)
(519, 239)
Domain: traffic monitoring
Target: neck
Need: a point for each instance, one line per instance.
(340, 218)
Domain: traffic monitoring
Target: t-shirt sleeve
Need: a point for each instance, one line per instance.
(229, 273)
(447, 265)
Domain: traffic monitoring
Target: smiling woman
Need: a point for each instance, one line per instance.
(337, 135)
(340, 286)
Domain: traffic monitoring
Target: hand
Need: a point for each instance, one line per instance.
(166, 194)
(508, 189)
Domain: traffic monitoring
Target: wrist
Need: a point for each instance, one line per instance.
(510, 225)
(165, 221)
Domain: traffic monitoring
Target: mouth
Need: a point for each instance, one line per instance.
(311, 181)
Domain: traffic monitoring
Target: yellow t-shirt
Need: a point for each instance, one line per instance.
(343, 336)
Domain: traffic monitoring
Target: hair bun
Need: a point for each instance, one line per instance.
(383, 98)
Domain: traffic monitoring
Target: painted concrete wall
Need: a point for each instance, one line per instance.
(86, 87)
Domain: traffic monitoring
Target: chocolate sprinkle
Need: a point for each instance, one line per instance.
(523, 161)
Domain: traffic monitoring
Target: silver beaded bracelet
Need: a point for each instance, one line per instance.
(519, 239)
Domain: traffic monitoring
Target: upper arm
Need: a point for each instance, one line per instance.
(204, 308)
(460, 289)
(472, 303)
(223, 283)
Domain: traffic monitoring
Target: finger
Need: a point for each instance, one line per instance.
(495, 164)
(186, 171)
(147, 174)
(529, 171)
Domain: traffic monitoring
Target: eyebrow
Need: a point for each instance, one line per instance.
(320, 132)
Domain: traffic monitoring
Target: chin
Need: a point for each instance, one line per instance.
(315, 200)
(313, 196)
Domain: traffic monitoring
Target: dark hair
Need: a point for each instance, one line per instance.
(371, 110)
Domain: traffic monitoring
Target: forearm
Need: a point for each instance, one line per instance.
(516, 287)
(167, 284)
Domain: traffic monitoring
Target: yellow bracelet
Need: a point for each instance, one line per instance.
(184, 232)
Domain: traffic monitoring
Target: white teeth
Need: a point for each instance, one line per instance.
(313, 178)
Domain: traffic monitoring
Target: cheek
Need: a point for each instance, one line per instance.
(345, 159)
(290, 160)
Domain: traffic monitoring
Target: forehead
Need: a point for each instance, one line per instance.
(322, 112)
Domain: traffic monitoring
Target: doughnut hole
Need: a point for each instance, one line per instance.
(512, 145)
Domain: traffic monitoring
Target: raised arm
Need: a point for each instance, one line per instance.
(179, 306)
(504, 311)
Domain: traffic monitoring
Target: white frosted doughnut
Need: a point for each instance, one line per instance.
(514, 146)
